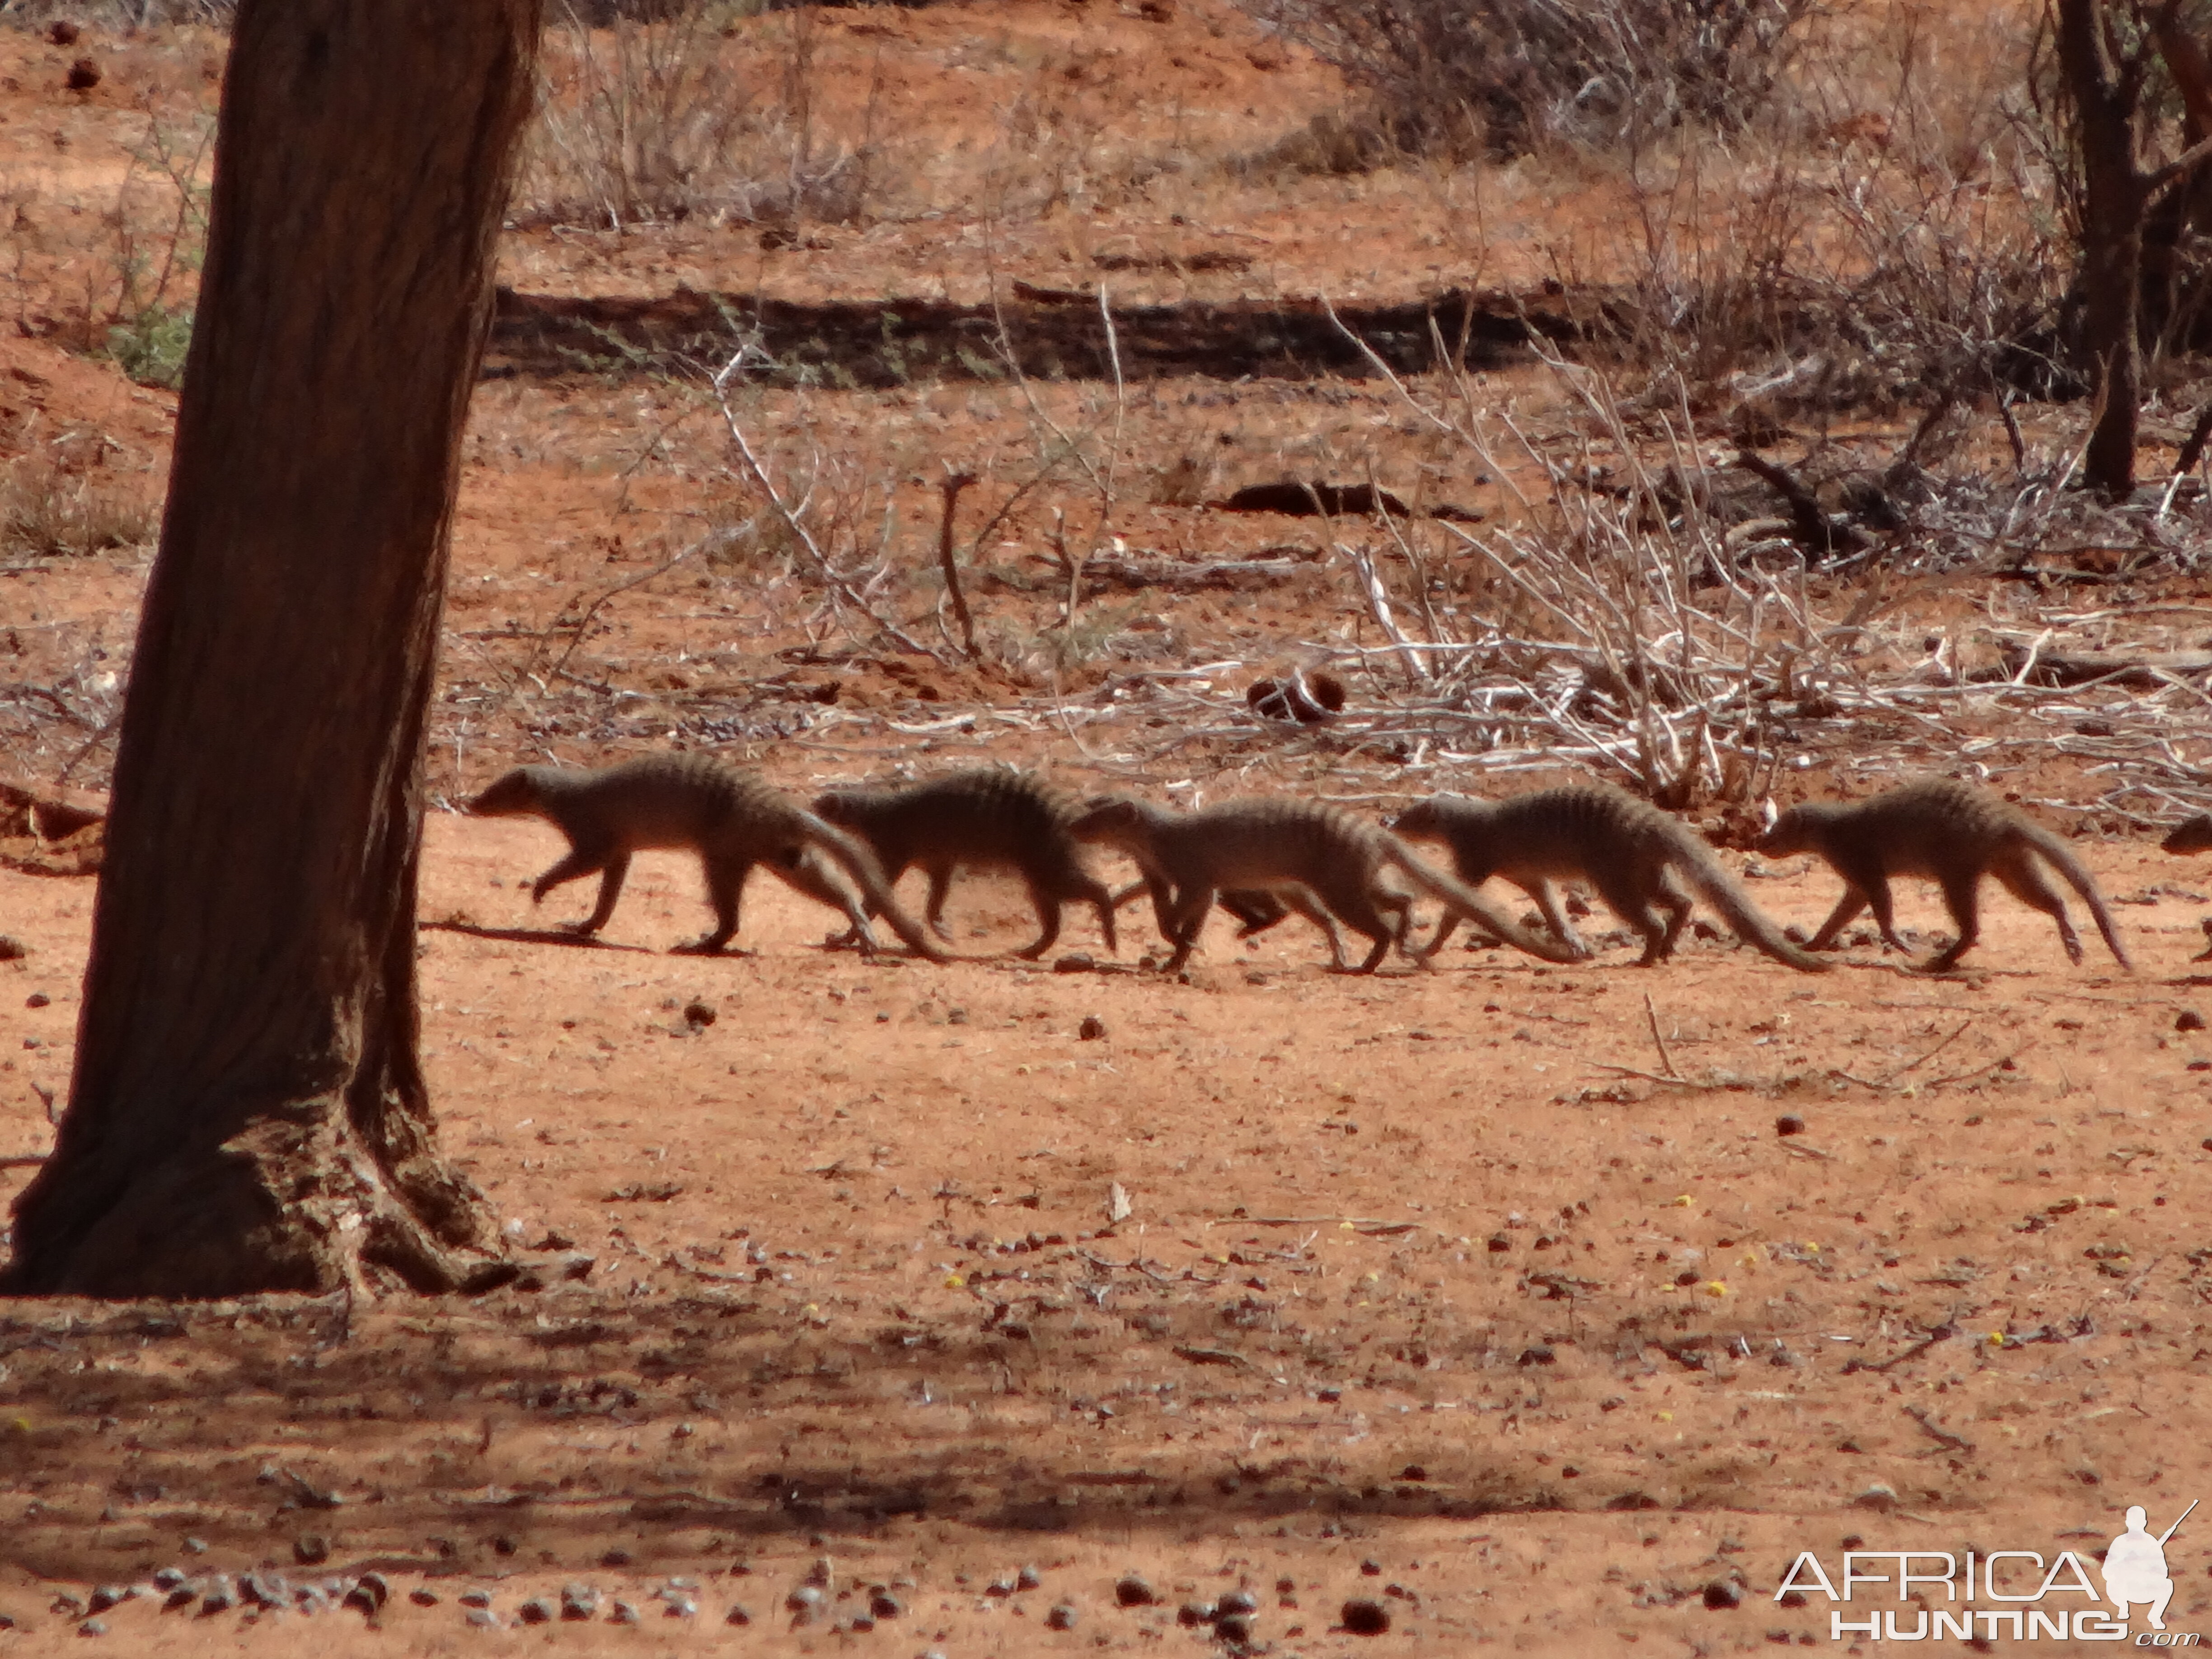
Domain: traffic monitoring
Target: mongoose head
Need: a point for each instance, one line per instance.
(2190, 835)
(1112, 819)
(1421, 819)
(831, 805)
(1800, 829)
(515, 793)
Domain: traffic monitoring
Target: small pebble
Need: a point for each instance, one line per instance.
(424, 1596)
(999, 1587)
(1371, 1568)
(183, 1597)
(169, 1577)
(1195, 1613)
(804, 1598)
(883, 1605)
(311, 1549)
(615, 1558)
(578, 1602)
(1092, 1027)
(1789, 1124)
(624, 1613)
(1721, 1594)
(739, 1613)
(2188, 1020)
(1028, 1579)
(537, 1610)
(369, 1593)
(92, 1628)
(475, 1598)
(1235, 1602)
(1062, 1617)
(1364, 1618)
(483, 1619)
(859, 1624)
(682, 1606)
(39, 999)
(104, 1597)
(1132, 1591)
(219, 1596)
(196, 1546)
(1236, 1630)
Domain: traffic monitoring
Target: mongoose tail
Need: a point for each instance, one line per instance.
(1466, 902)
(1952, 834)
(2191, 834)
(1644, 863)
(861, 864)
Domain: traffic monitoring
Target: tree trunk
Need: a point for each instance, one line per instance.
(247, 1112)
(2115, 197)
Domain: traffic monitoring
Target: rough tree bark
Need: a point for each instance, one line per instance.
(2104, 79)
(247, 1112)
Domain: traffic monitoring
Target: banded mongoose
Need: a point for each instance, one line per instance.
(1951, 833)
(733, 820)
(1644, 863)
(983, 819)
(1285, 847)
(2192, 834)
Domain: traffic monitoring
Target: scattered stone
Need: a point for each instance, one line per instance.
(1062, 1617)
(1091, 1030)
(169, 1577)
(83, 75)
(616, 1558)
(219, 1596)
(883, 1605)
(699, 1015)
(62, 32)
(269, 1589)
(484, 1619)
(1721, 1594)
(1195, 1613)
(108, 1596)
(40, 1000)
(66, 1605)
(624, 1613)
(424, 1596)
(681, 1607)
(1236, 1630)
(2188, 1020)
(1132, 1591)
(92, 1628)
(1000, 1588)
(1363, 1617)
(804, 1598)
(821, 1572)
(1370, 1568)
(475, 1598)
(1235, 1602)
(1789, 1124)
(537, 1610)
(369, 1593)
(182, 1596)
(1412, 1471)
(196, 1546)
(1028, 1579)
(739, 1613)
(311, 1549)
(1877, 1496)
(12, 949)
(578, 1602)
(311, 1599)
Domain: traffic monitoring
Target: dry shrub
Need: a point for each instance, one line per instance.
(1508, 76)
(52, 508)
(646, 115)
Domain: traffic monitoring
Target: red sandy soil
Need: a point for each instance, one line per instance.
(1500, 1278)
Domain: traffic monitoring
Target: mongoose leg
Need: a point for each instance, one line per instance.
(1189, 917)
(1356, 906)
(1102, 903)
(612, 868)
(1547, 901)
(2023, 877)
(802, 875)
(1298, 900)
(1846, 911)
(940, 884)
(1678, 904)
(725, 887)
(1885, 917)
(1047, 916)
(1962, 895)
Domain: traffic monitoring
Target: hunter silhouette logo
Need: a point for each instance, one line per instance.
(2135, 1566)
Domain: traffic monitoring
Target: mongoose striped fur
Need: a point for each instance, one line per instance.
(983, 819)
(1644, 863)
(1951, 833)
(1287, 847)
(732, 820)
(2191, 834)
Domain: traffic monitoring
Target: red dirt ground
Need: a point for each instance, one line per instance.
(1499, 1280)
